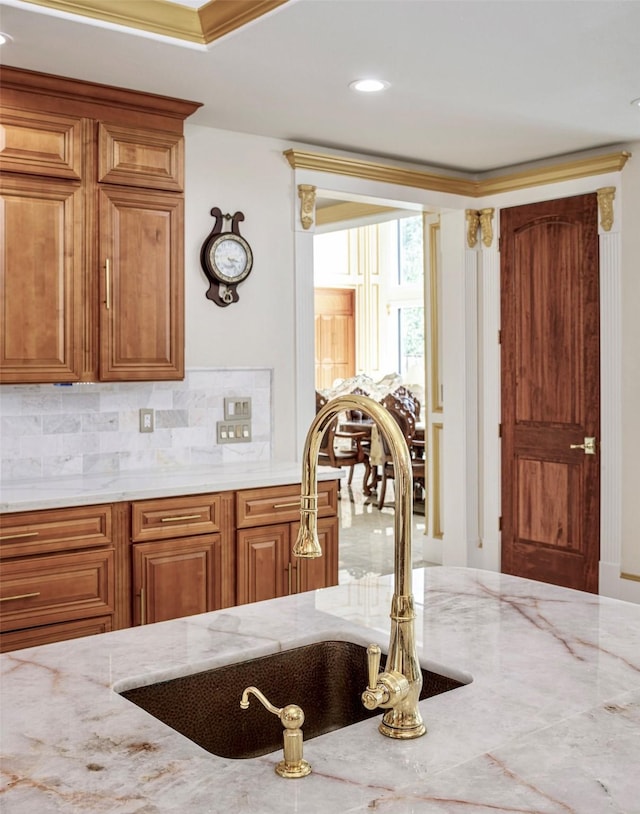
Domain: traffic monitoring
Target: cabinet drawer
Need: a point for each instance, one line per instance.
(281, 504)
(42, 590)
(40, 143)
(33, 637)
(175, 517)
(50, 530)
(140, 158)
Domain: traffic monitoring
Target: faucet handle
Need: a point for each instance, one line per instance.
(373, 664)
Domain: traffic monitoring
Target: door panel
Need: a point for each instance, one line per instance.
(550, 391)
(335, 334)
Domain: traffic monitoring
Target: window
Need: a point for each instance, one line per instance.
(410, 338)
(410, 262)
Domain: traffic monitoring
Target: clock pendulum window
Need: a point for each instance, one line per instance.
(226, 258)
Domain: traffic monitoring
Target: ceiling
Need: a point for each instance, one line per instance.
(475, 85)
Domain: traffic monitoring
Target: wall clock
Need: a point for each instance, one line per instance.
(226, 259)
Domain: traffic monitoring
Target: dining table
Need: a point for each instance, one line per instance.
(368, 431)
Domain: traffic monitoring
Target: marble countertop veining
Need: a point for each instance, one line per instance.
(550, 723)
(84, 490)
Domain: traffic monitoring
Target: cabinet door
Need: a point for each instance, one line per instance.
(323, 571)
(41, 143)
(174, 578)
(142, 298)
(264, 569)
(133, 156)
(41, 280)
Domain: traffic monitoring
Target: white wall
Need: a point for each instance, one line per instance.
(247, 173)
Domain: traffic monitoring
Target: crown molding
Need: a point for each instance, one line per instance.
(204, 25)
(372, 171)
(554, 173)
(472, 187)
(220, 17)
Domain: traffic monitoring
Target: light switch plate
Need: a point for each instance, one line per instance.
(237, 407)
(233, 432)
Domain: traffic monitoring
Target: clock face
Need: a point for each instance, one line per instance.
(230, 258)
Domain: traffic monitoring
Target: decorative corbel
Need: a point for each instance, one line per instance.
(307, 195)
(486, 226)
(605, 206)
(473, 224)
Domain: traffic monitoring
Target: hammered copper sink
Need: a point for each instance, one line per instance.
(326, 679)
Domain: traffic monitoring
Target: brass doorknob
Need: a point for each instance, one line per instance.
(589, 446)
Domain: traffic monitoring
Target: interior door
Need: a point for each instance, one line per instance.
(335, 325)
(551, 392)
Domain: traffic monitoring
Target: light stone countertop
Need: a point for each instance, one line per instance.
(550, 723)
(85, 490)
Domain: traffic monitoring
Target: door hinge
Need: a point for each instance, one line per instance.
(499, 430)
(499, 337)
(500, 523)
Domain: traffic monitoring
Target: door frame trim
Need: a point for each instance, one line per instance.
(482, 549)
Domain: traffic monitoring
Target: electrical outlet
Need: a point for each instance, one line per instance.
(237, 407)
(146, 419)
(233, 432)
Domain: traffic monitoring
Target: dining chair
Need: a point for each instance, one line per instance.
(406, 421)
(342, 449)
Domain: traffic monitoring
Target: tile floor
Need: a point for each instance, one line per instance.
(366, 532)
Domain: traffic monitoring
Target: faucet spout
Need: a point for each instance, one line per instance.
(402, 719)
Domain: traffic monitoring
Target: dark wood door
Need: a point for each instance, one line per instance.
(335, 335)
(550, 391)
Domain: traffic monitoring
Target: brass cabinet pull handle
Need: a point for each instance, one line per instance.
(287, 505)
(181, 517)
(107, 283)
(143, 614)
(19, 596)
(16, 536)
(289, 574)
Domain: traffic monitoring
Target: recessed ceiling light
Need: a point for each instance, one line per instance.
(636, 102)
(4, 38)
(369, 85)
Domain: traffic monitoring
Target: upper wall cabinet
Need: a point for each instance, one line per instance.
(91, 274)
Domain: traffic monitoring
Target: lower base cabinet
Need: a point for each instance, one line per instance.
(79, 571)
(268, 524)
(59, 574)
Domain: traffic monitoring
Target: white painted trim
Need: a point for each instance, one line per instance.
(614, 585)
(490, 405)
(304, 331)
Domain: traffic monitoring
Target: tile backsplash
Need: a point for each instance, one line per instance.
(49, 430)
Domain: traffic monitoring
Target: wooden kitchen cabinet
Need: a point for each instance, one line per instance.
(58, 575)
(79, 571)
(268, 523)
(91, 285)
(141, 250)
(183, 556)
